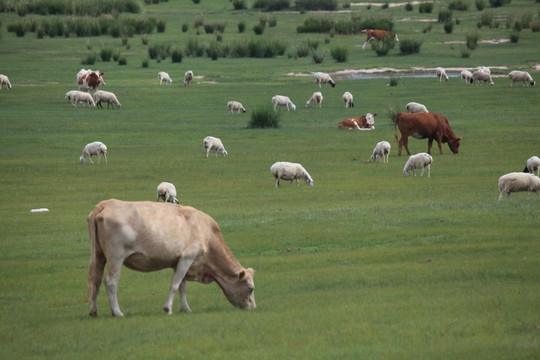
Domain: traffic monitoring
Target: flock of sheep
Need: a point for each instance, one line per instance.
(483, 75)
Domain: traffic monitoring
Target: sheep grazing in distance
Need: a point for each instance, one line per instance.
(323, 78)
(523, 76)
(163, 77)
(480, 77)
(167, 192)
(290, 171)
(533, 164)
(466, 75)
(418, 161)
(108, 97)
(441, 74)
(235, 105)
(348, 99)
(214, 143)
(4, 80)
(188, 76)
(280, 100)
(414, 107)
(80, 97)
(316, 99)
(95, 148)
(518, 181)
(485, 69)
(382, 150)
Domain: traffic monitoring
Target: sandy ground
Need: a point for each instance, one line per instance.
(389, 4)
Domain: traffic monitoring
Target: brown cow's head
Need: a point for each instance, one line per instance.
(241, 291)
(454, 145)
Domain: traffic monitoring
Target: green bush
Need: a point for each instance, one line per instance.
(486, 19)
(409, 6)
(314, 24)
(448, 26)
(213, 50)
(176, 55)
(314, 5)
(425, 7)
(272, 22)
(194, 48)
(241, 26)
(258, 29)
(145, 63)
(161, 26)
(459, 5)
(106, 54)
(393, 81)
(480, 5)
(514, 37)
(89, 59)
(264, 117)
(471, 41)
(317, 57)
(340, 53)
(444, 16)
(382, 48)
(239, 4)
(465, 52)
(409, 46)
(122, 60)
(159, 51)
(185, 27)
(271, 5)
(498, 3)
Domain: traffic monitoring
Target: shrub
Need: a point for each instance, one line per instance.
(209, 28)
(459, 5)
(312, 5)
(116, 55)
(394, 80)
(159, 51)
(185, 27)
(514, 37)
(145, 63)
(241, 26)
(535, 27)
(427, 28)
(271, 5)
(122, 60)
(383, 47)
(213, 50)
(444, 16)
(448, 26)
(240, 49)
(471, 40)
(194, 48)
(272, 22)
(486, 19)
(239, 4)
(161, 26)
(409, 7)
(318, 58)
(409, 46)
(315, 24)
(176, 55)
(340, 53)
(89, 59)
(106, 54)
(264, 117)
(258, 29)
(480, 5)
(465, 52)
(425, 7)
(385, 5)
(198, 22)
(498, 3)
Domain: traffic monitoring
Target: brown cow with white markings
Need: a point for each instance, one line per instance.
(378, 35)
(149, 236)
(90, 80)
(364, 122)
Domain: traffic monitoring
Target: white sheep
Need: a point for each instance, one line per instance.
(414, 107)
(466, 75)
(484, 69)
(280, 100)
(518, 181)
(214, 143)
(77, 97)
(95, 148)
(167, 192)
(4, 80)
(106, 96)
(523, 76)
(163, 77)
(418, 161)
(533, 164)
(316, 99)
(188, 76)
(290, 171)
(480, 77)
(382, 150)
(235, 105)
(323, 78)
(348, 99)
(441, 74)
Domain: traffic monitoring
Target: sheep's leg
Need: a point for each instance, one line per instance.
(277, 181)
(105, 157)
(501, 196)
(90, 157)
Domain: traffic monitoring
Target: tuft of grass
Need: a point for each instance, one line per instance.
(339, 53)
(106, 54)
(264, 117)
(89, 59)
(410, 46)
(471, 40)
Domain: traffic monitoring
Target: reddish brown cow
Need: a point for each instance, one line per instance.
(425, 125)
(88, 79)
(378, 35)
(364, 122)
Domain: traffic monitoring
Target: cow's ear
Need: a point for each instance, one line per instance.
(101, 73)
(374, 114)
(242, 275)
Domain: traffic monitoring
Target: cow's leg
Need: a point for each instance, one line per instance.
(183, 300)
(95, 274)
(180, 272)
(430, 144)
(405, 142)
(111, 283)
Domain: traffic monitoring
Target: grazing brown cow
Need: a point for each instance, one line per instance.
(364, 122)
(425, 125)
(88, 79)
(378, 35)
(148, 236)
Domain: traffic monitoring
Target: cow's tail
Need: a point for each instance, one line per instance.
(96, 254)
(363, 31)
(395, 127)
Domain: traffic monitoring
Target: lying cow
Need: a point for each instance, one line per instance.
(378, 35)
(149, 236)
(425, 125)
(364, 122)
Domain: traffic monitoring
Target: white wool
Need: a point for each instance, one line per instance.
(4, 80)
(323, 78)
(290, 171)
(382, 150)
(414, 107)
(316, 99)
(106, 96)
(348, 99)
(484, 69)
(533, 164)
(167, 192)
(214, 143)
(480, 77)
(163, 77)
(280, 100)
(466, 75)
(441, 74)
(188, 76)
(523, 76)
(418, 161)
(518, 181)
(80, 97)
(95, 148)
(235, 105)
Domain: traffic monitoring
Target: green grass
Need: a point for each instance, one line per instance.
(366, 263)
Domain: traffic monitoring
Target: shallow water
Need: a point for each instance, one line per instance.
(388, 76)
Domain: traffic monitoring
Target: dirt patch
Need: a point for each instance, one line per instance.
(492, 41)
(389, 4)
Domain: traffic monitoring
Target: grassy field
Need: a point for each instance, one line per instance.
(366, 263)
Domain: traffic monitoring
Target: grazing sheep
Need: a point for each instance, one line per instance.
(441, 73)
(480, 77)
(163, 77)
(188, 76)
(316, 98)
(348, 99)
(382, 149)
(533, 164)
(213, 143)
(167, 192)
(95, 148)
(323, 78)
(467, 75)
(280, 100)
(523, 76)
(106, 96)
(4, 80)
(516, 182)
(418, 161)
(235, 105)
(290, 171)
(80, 97)
(414, 107)
(485, 69)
